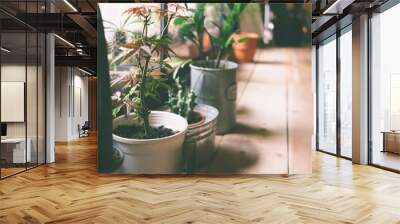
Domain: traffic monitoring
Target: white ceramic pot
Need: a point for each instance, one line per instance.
(152, 156)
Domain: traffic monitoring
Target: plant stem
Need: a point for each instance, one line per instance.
(201, 36)
(166, 26)
(219, 57)
(145, 110)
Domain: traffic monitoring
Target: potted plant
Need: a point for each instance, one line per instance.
(244, 51)
(199, 145)
(151, 141)
(213, 78)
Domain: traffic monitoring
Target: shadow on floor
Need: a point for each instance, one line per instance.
(242, 110)
(231, 161)
(241, 128)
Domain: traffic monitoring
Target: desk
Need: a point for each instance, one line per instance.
(391, 141)
(13, 150)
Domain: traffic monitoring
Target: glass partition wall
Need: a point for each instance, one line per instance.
(22, 77)
(334, 93)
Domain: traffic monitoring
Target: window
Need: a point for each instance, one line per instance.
(327, 96)
(385, 89)
(346, 93)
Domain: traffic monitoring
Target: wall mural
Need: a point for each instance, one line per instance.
(168, 86)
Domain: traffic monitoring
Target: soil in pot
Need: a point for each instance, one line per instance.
(196, 118)
(136, 132)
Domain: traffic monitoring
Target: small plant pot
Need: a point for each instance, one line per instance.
(245, 51)
(199, 145)
(152, 156)
(216, 87)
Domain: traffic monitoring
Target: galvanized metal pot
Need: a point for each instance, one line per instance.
(216, 87)
(199, 145)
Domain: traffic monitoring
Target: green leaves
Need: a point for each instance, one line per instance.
(192, 29)
(243, 39)
(179, 21)
(186, 32)
(228, 42)
(215, 41)
(146, 77)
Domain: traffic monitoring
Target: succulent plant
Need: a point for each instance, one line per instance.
(181, 97)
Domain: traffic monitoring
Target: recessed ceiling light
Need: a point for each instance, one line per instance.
(64, 40)
(5, 50)
(84, 71)
(333, 6)
(70, 5)
(337, 7)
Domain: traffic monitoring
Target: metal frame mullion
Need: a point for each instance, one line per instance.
(338, 91)
(369, 78)
(26, 86)
(37, 90)
(44, 79)
(317, 96)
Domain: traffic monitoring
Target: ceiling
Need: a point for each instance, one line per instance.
(75, 21)
(332, 15)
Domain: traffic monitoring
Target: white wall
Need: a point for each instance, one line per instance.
(79, 117)
(61, 103)
(70, 83)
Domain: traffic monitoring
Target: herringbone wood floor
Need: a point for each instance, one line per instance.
(71, 191)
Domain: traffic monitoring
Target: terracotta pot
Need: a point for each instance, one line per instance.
(245, 51)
